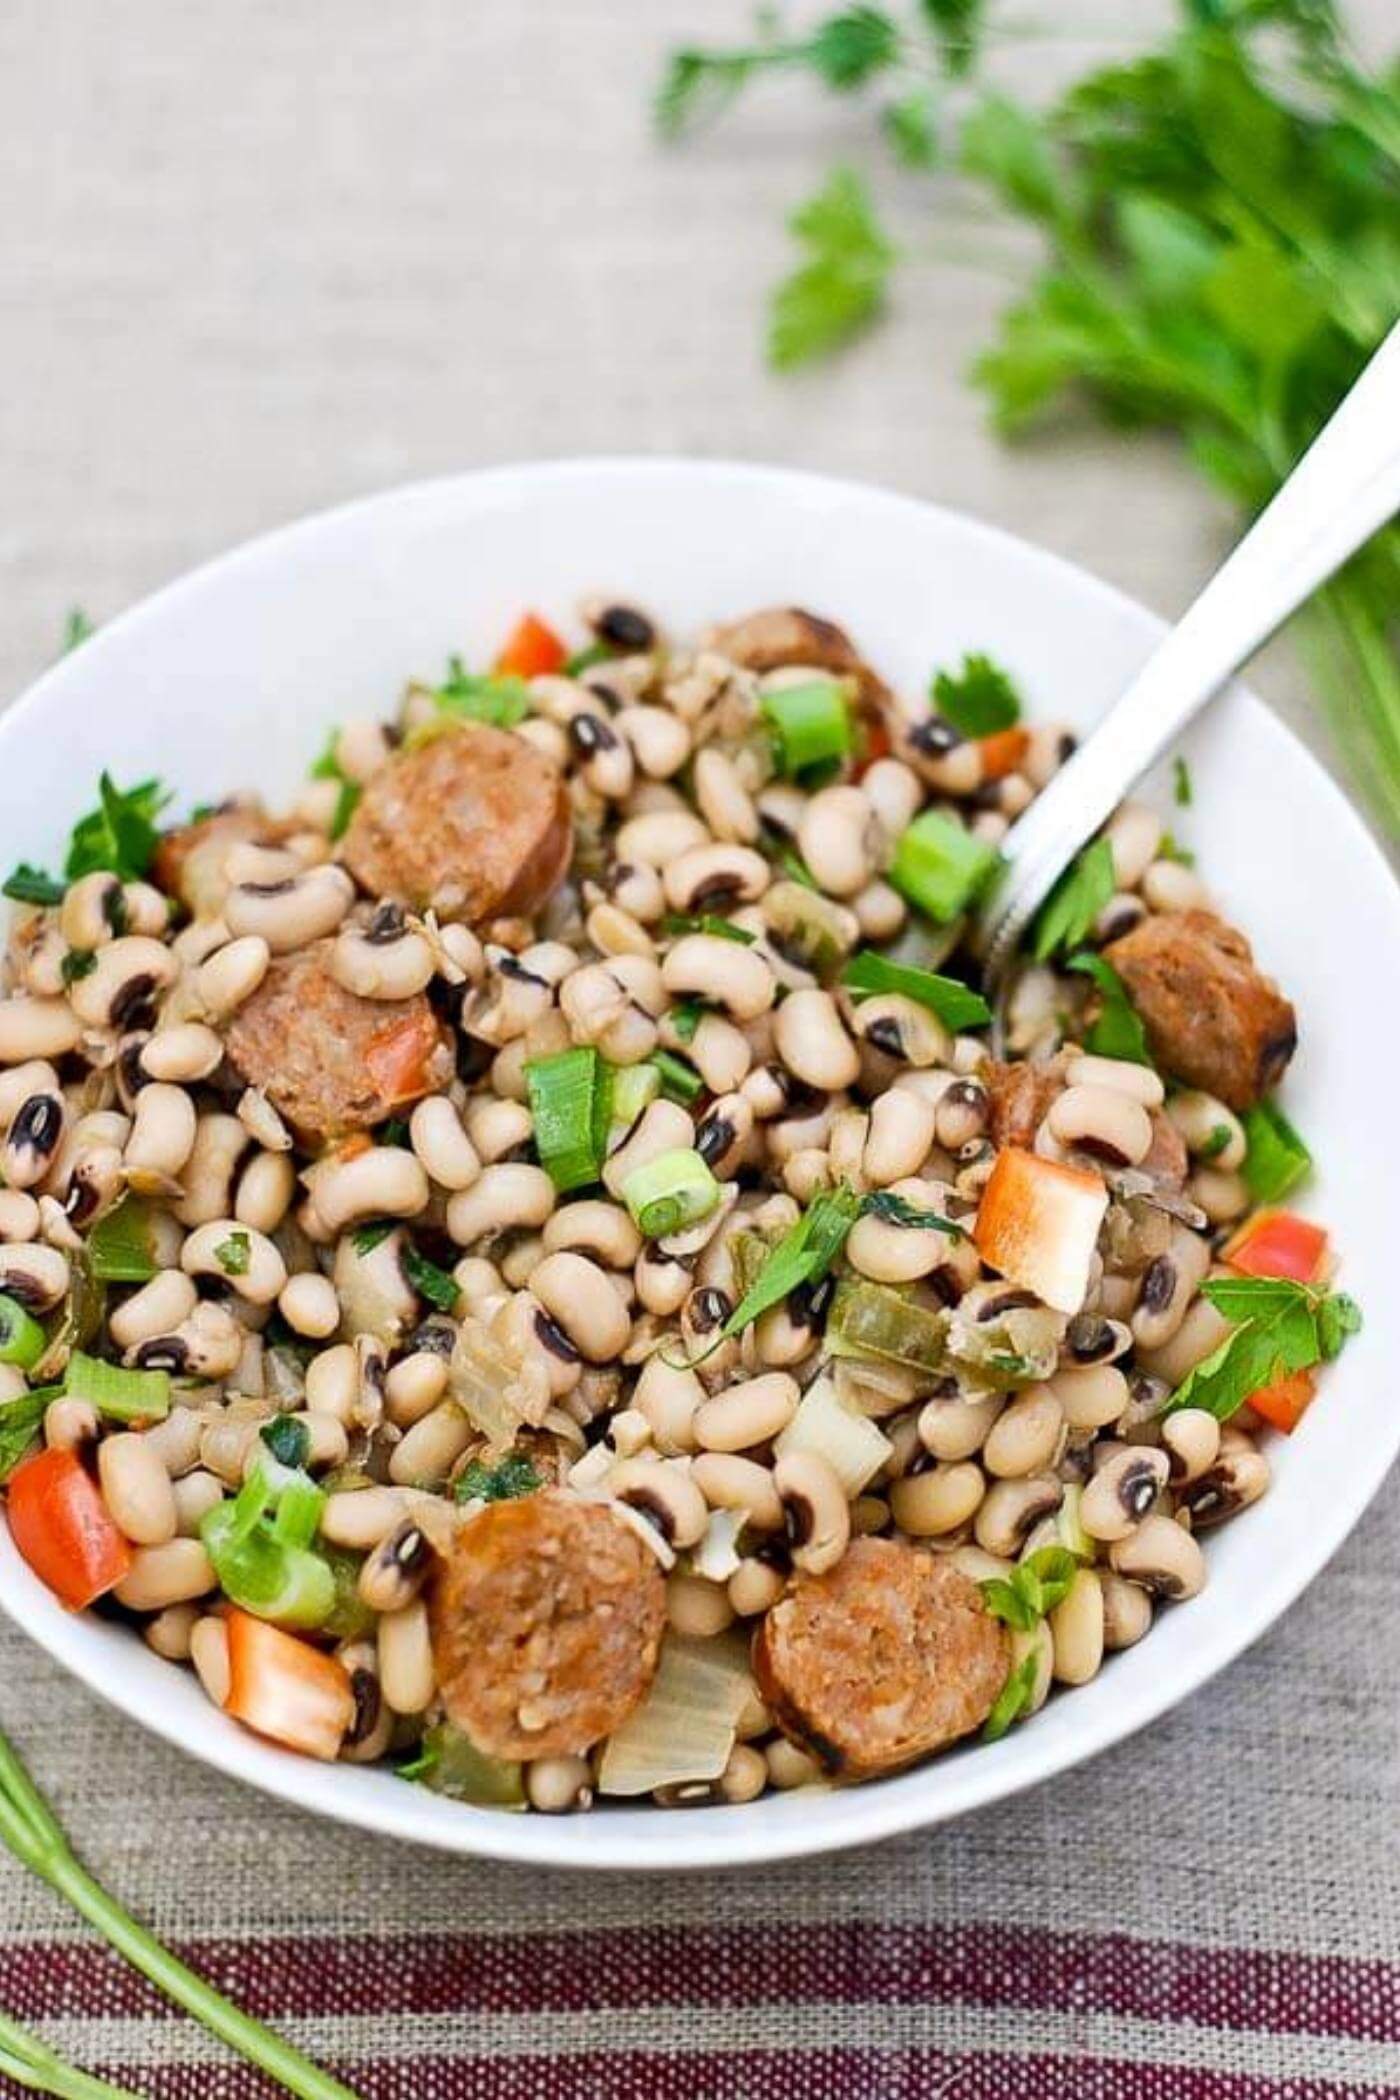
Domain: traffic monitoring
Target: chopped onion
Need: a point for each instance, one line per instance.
(849, 1442)
(495, 1388)
(717, 1555)
(684, 1728)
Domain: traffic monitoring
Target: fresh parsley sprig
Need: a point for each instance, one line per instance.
(979, 699)
(1277, 1327)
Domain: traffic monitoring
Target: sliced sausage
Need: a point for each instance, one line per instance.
(1166, 1159)
(329, 1061)
(189, 863)
(1212, 1018)
(885, 1659)
(1020, 1096)
(473, 823)
(782, 635)
(547, 1615)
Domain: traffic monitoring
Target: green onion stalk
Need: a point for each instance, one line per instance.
(29, 1829)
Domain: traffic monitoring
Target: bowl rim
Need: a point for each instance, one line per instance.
(879, 1812)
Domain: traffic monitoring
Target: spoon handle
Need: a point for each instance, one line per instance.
(1345, 487)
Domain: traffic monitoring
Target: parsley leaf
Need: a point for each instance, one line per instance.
(956, 1004)
(898, 1210)
(483, 696)
(77, 629)
(120, 834)
(1277, 1327)
(1117, 1031)
(1067, 916)
(365, 1238)
(978, 700)
(435, 1284)
(28, 885)
(1276, 1159)
(328, 767)
(911, 127)
(21, 1420)
(1181, 783)
(1033, 1588)
(1014, 1698)
(840, 288)
(957, 28)
(234, 1254)
(76, 964)
(676, 923)
(512, 1476)
(844, 51)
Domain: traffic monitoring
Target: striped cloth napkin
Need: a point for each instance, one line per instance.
(1209, 1912)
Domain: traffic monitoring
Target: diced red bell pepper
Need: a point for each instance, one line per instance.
(532, 650)
(1278, 1243)
(285, 1689)
(1038, 1225)
(396, 1057)
(1286, 1401)
(1002, 752)
(60, 1525)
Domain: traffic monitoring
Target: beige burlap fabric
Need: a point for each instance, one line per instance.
(258, 257)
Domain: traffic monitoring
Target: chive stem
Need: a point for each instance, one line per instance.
(32, 2064)
(30, 1830)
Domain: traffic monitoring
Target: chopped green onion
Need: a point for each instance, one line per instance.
(584, 659)
(898, 1210)
(448, 1762)
(869, 1319)
(788, 858)
(1014, 1698)
(482, 696)
(978, 700)
(939, 867)
(679, 1079)
(328, 767)
(121, 1395)
(1118, 1031)
(811, 723)
(22, 1339)
(1277, 1159)
(259, 1546)
(437, 1285)
(955, 1005)
(365, 1238)
(287, 1439)
(802, 1256)
(570, 1100)
(676, 923)
(1181, 783)
(670, 1192)
(119, 1245)
(21, 1419)
(686, 1018)
(28, 885)
(234, 1254)
(512, 1476)
(31, 2064)
(634, 1087)
(394, 1132)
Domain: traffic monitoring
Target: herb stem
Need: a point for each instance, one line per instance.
(32, 2064)
(30, 1830)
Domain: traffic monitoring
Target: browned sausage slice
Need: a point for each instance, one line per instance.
(474, 823)
(766, 641)
(189, 863)
(1212, 1018)
(328, 1060)
(547, 1615)
(885, 1659)
(1020, 1095)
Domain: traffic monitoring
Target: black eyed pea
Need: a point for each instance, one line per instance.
(606, 760)
(660, 741)
(1011, 1509)
(163, 1131)
(482, 1288)
(728, 1481)
(371, 1370)
(888, 1252)
(19, 1217)
(1077, 1628)
(262, 1122)
(226, 1444)
(548, 737)
(309, 1305)
(840, 838)
(1162, 1557)
(507, 1196)
(750, 1413)
(1170, 886)
(1090, 1399)
(901, 1029)
(93, 911)
(895, 793)
(1191, 1440)
(1210, 1131)
(789, 1767)
(219, 1143)
(328, 1441)
(238, 1255)
(880, 911)
(39, 963)
(1092, 1339)
(383, 959)
(662, 1282)
(496, 1127)
(173, 1573)
(979, 1566)
(636, 889)
(670, 1396)
(123, 983)
(941, 1500)
(816, 1515)
(69, 1425)
(615, 932)
(361, 748)
(175, 1440)
(744, 1777)
(1027, 1436)
(555, 1786)
(195, 1495)
(37, 1028)
(590, 1226)
(394, 1573)
(697, 1608)
(702, 966)
(1102, 1121)
(1123, 1492)
(723, 1134)
(807, 1173)
(870, 1514)
(413, 1387)
(519, 1259)
(720, 1053)
(265, 1191)
(754, 1587)
(360, 1518)
(209, 1654)
(34, 1138)
(1238, 1477)
(406, 1676)
(1169, 1284)
(660, 836)
(962, 1114)
(813, 1044)
(1134, 834)
(37, 1277)
(715, 877)
(426, 1453)
(34, 1076)
(375, 1295)
(168, 1633)
(898, 1138)
(384, 1181)
(1127, 1610)
(209, 1344)
(291, 910)
(230, 975)
(666, 1496)
(1139, 1082)
(723, 800)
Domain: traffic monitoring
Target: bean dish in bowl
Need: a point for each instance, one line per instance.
(529, 1267)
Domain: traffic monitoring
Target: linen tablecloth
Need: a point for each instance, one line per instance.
(260, 257)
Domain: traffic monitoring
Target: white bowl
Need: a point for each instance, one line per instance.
(230, 678)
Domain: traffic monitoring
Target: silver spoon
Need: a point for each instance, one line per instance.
(1345, 487)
